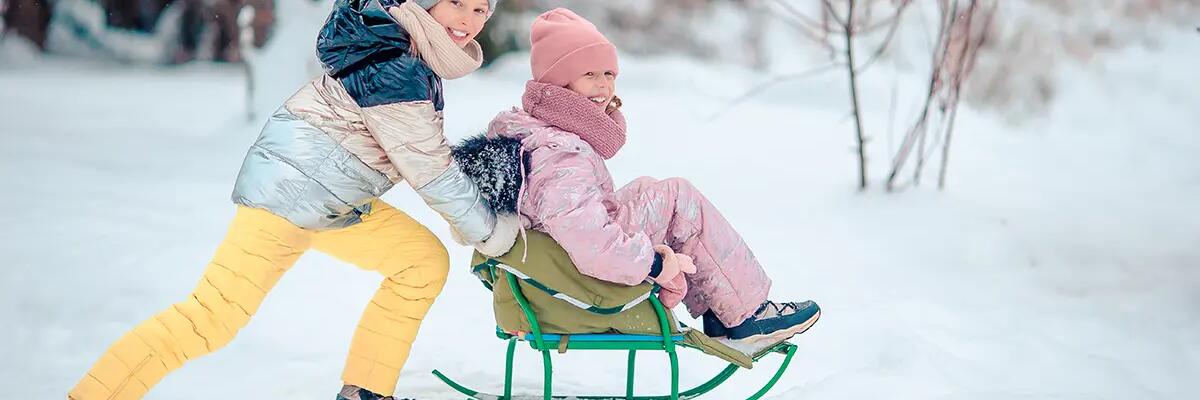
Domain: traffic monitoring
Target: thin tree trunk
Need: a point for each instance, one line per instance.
(858, 126)
(920, 158)
(920, 127)
(946, 150)
(967, 56)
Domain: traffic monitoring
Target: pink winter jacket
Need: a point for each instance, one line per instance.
(568, 194)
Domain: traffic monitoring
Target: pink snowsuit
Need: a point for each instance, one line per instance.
(568, 194)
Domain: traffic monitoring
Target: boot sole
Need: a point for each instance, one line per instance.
(753, 344)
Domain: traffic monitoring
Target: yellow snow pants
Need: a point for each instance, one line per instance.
(258, 249)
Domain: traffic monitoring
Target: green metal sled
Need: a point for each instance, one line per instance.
(666, 342)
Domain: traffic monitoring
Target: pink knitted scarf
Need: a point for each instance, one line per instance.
(574, 113)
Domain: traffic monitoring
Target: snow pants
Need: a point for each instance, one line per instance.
(728, 279)
(258, 249)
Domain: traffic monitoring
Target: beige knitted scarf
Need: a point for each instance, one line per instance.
(431, 42)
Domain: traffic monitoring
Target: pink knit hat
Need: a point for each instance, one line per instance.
(565, 46)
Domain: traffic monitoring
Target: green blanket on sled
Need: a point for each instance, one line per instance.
(568, 302)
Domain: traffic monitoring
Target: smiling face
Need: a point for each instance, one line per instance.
(597, 86)
(463, 19)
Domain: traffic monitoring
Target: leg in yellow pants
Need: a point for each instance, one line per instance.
(415, 264)
(256, 252)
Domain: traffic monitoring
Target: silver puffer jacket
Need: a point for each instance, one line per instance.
(375, 119)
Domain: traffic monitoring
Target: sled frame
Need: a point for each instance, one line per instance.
(632, 343)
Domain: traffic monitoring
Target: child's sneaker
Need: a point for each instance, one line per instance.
(351, 392)
(772, 323)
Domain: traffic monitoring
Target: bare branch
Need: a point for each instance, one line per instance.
(892, 111)
(966, 64)
(887, 40)
(807, 26)
(920, 127)
(818, 38)
(946, 149)
(804, 18)
(754, 91)
(916, 180)
(892, 20)
(833, 14)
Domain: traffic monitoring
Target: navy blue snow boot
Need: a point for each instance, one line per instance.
(772, 323)
(351, 392)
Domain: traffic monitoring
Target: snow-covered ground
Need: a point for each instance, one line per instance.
(1062, 261)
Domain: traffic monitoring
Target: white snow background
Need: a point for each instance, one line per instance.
(1061, 261)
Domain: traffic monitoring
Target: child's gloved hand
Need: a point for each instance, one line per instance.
(673, 264)
(673, 291)
(613, 105)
